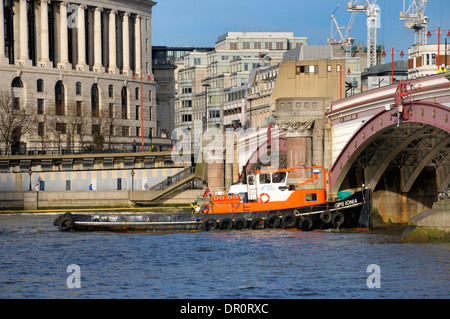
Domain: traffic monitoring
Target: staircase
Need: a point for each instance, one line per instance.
(168, 187)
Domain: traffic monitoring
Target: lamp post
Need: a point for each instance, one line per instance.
(205, 121)
(438, 31)
(29, 174)
(393, 51)
(132, 179)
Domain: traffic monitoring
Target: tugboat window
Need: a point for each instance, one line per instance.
(278, 177)
(251, 180)
(264, 178)
(311, 197)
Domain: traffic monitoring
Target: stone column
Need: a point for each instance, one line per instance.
(137, 40)
(44, 61)
(3, 58)
(126, 43)
(112, 43)
(98, 67)
(23, 40)
(81, 33)
(63, 44)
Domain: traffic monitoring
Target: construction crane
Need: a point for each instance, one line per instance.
(415, 19)
(372, 11)
(345, 39)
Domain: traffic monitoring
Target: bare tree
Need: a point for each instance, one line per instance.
(16, 119)
(56, 126)
(110, 127)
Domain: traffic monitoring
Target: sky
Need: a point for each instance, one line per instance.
(200, 22)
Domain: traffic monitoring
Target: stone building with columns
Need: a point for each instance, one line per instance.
(88, 61)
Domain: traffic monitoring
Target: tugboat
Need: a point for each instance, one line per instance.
(262, 199)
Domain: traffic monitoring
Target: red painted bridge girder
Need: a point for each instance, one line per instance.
(435, 115)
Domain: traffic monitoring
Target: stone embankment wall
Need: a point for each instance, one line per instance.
(429, 226)
(32, 200)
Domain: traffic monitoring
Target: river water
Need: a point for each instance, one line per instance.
(37, 260)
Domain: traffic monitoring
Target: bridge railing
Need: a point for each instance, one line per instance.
(175, 178)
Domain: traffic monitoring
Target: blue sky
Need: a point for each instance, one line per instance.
(201, 22)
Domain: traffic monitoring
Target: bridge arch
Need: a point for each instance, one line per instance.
(420, 140)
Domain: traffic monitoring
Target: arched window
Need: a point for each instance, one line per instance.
(123, 96)
(17, 83)
(78, 88)
(136, 93)
(94, 100)
(110, 91)
(59, 98)
(40, 85)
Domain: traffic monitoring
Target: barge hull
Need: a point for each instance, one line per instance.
(353, 212)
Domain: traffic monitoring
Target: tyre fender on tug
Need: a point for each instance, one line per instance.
(210, 224)
(289, 220)
(240, 223)
(326, 217)
(226, 223)
(338, 219)
(305, 223)
(258, 223)
(66, 222)
(273, 221)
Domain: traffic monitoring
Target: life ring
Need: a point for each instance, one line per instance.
(326, 217)
(66, 223)
(305, 223)
(226, 223)
(273, 221)
(289, 220)
(209, 224)
(258, 223)
(338, 219)
(240, 223)
(264, 200)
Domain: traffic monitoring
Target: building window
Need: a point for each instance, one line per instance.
(110, 91)
(125, 130)
(95, 129)
(150, 114)
(136, 93)
(41, 128)
(94, 100)
(17, 83)
(79, 108)
(149, 95)
(61, 128)
(40, 106)
(137, 112)
(124, 103)
(78, 88)
(40, 85)
(59, 98)
(16, 102)
(111, 110)
(138, 131)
